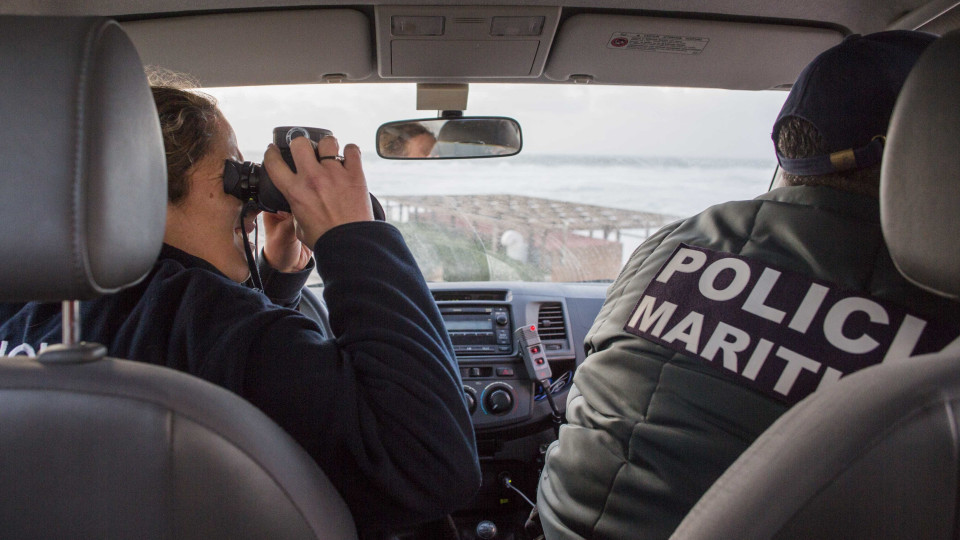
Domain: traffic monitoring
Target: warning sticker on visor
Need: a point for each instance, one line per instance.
(779, 332)
(661, 43)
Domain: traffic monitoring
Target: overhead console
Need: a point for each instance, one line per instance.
(473, 42)
(667, 51)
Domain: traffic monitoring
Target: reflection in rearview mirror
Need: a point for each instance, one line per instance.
(453, 138)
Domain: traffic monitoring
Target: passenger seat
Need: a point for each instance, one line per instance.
(876, 456)
(93, 447)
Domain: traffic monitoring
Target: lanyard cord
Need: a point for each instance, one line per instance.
(251, 260)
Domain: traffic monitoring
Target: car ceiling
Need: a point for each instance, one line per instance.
(754, 45)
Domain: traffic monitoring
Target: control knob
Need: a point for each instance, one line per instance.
(498, 399)
(471, 397)
(502, 319)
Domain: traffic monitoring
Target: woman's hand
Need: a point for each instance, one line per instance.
(324, 192)
(283, 250)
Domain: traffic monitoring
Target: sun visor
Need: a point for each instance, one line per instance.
(237, 49)
(658, 51)
(464, 42)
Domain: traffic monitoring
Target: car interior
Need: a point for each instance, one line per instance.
(107, 448)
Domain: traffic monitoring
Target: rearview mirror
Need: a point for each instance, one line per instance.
(450, 138)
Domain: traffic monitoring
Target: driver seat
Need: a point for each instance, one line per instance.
(877, 455)
(94, 447)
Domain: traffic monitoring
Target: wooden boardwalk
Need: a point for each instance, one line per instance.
(524, 212)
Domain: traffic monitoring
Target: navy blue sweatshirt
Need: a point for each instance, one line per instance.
(380, 407)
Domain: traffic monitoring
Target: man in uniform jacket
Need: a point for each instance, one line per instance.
(720, 322)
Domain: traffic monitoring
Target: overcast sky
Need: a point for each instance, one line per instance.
(556, 119)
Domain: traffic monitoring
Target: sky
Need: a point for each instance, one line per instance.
(556, 119)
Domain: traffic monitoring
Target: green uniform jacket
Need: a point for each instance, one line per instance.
(651, 429)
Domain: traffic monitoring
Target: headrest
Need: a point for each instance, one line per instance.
(84, 175)
(920, 174)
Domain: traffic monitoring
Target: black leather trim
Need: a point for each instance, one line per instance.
(118, 449)
(85, 175)
(919, 188)
(873, 457)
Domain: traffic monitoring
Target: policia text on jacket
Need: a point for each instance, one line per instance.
(781, 332)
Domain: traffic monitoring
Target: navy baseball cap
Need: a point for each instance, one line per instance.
(848, 93)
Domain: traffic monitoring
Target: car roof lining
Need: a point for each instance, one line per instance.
(660, 51)
(213, 40)
(857, 15)
(304, 46)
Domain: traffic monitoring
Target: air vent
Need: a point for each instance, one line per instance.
(469, 296)
(550, 321)
(469, 20)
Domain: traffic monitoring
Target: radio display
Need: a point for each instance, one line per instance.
(467, 324)
(478, 330)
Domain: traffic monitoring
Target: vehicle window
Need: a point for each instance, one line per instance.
(601, 169)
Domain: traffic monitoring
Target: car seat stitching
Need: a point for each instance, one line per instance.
(872, 444)
(78, 158)
(172, 409)
(953, 432)
(171, 495)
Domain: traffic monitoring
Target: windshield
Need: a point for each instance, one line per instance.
(601, 169)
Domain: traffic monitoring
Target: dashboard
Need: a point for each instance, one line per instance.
(481, 318)
(512, 419)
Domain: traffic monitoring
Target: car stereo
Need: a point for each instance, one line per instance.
(478, 330)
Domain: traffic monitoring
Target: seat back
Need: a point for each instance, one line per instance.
(876, 455)
(103, 448)
(119, 449)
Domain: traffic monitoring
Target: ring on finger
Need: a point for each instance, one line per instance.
(338, 158)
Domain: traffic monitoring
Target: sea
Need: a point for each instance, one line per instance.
(672, 186)
(666, 185)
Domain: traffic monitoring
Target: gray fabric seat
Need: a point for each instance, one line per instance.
(876, 455)
(93, 447)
